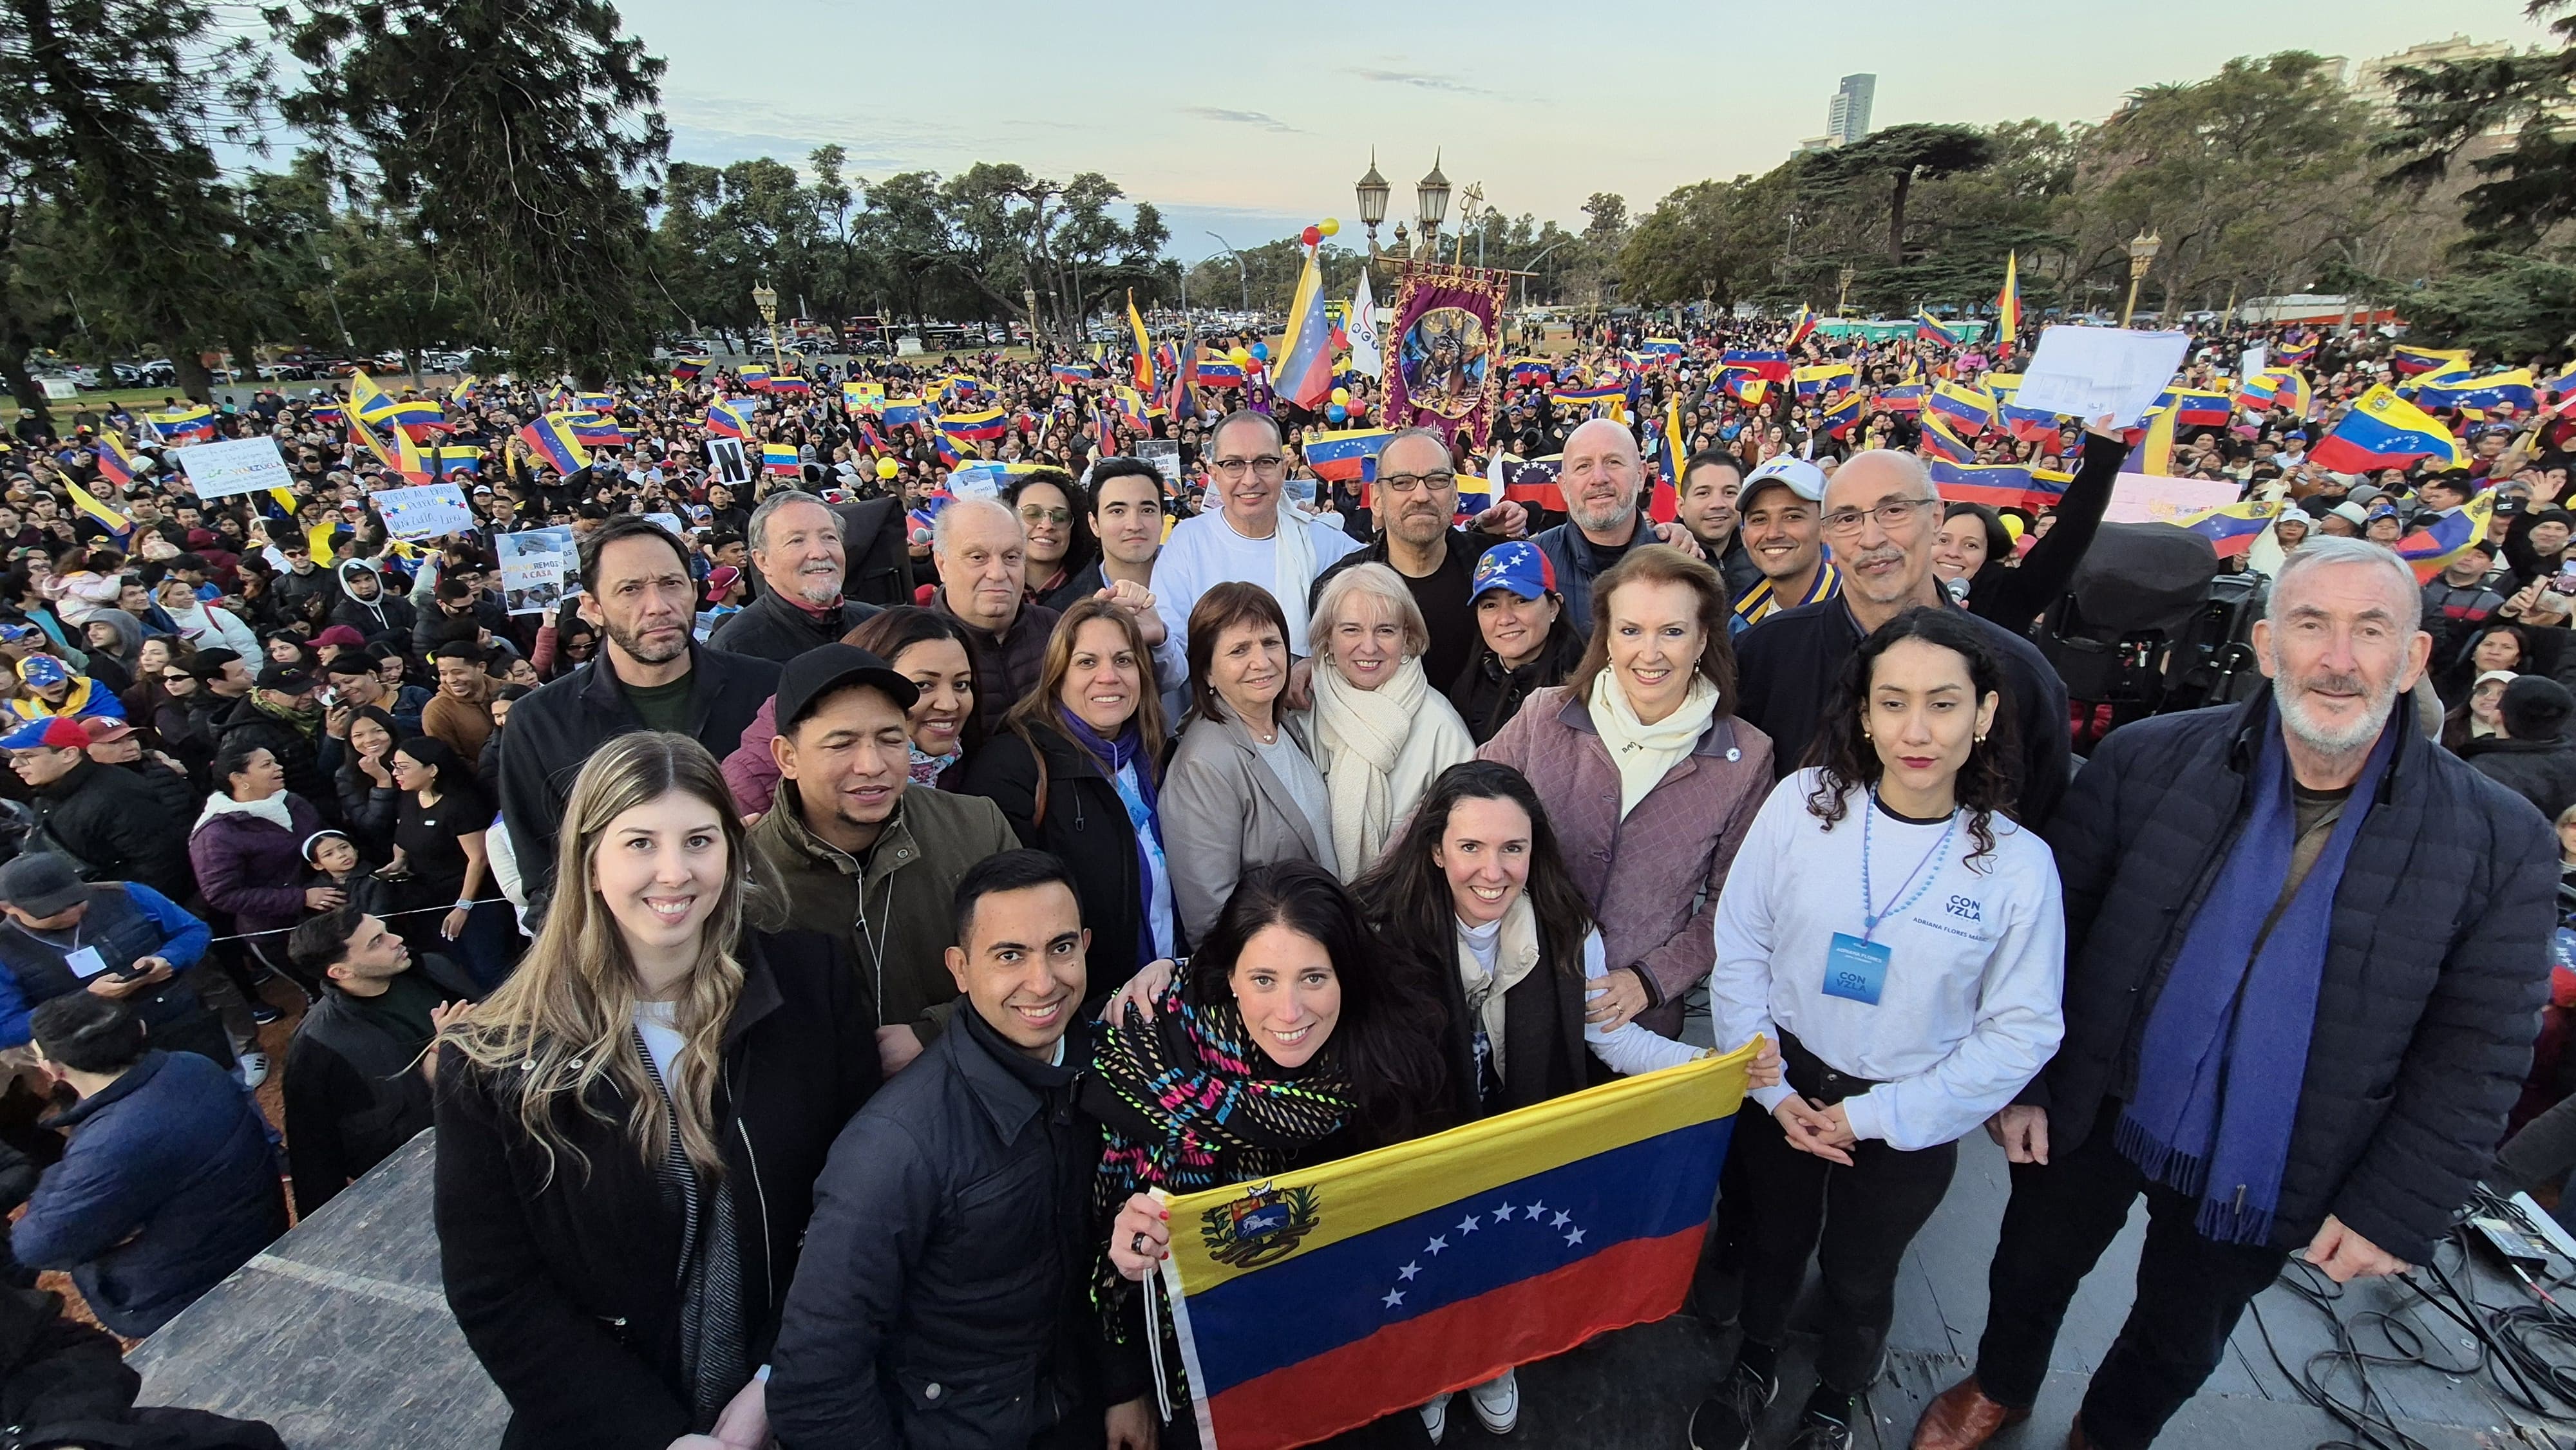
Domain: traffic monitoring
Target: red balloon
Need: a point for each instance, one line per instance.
(1311, 235)
(1357, 409)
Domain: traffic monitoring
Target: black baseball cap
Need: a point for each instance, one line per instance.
(206, 664)
(285, 679)
(820, 671)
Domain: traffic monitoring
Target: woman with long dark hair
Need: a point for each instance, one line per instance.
(1902, 938)
(440, 821)
(1061, 546)
(630, 1127)
(1285, 1042)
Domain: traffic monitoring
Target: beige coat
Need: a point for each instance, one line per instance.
(1225, 812)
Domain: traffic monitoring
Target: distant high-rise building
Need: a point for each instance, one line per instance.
(1847, 116)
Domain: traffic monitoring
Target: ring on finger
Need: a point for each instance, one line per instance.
(1136, 1242)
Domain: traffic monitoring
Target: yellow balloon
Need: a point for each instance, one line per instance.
(888, 468)
(1341, 395)
(1241, 356)
(2012, 527)
(1329, 227)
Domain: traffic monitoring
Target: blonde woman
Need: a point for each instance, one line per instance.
(1382, 734)
(629, 1128)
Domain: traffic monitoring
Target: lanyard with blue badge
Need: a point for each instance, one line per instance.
(1855, 966)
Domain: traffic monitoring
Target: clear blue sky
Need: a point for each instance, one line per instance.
(1253, 120)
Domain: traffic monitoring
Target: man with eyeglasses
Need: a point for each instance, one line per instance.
(1247, 536)
(1416, 497)
(1881, 516)
(1602, 478)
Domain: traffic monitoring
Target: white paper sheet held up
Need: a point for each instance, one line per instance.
(2086, 372)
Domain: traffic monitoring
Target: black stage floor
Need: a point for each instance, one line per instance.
(338, 1335)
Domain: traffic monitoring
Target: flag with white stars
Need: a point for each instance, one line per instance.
(1323, 1299)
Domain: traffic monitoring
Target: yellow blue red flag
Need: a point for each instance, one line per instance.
(2231, 528)
(1317, 1301)
(2383, 430)
(2430, 549)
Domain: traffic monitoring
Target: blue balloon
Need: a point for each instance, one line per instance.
(1261, 350)
(1338, 413)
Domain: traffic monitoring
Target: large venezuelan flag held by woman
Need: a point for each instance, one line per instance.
(1323, 1299)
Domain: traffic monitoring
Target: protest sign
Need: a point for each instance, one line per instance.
(727, 463)
(431, 511)
(1165, 455)
(2148, 498)
(540, 568)
(234, 466)
(2087, 372)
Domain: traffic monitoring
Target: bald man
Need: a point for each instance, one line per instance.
(1881, 515)
(1602, 478)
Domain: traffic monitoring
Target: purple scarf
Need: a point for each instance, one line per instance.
(1143, 808)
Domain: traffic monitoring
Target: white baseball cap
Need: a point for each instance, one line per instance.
(1796, 474)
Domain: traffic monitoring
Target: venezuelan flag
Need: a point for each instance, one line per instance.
(1997, 485)
(1928, 328)
(1745, 386)
(1535, 372)
(1144, 346)
(2408, 361)
(1770, 366)
(1317, 1301)
(1822, 379)
(371, 403)
(551, 439)
(689, 367)
(2294, 353)
(728, 420)
(2195, 407)
(2030, 425)
(2430, 549)
(1941, 442)
(456, 458)
(1801, 325)
(330, 415)
(116, 462)
(946, 449)
(2153, 453)
(1904, 398)
(1530, 480)
(598, 430)
(979, 427)
(194, 424)
(781, 458)
(417, 416)
(1347, 456)
(754, 378)
(2293, 396)
(2231, 528)
(1967, 410)
(463, 390)
(1838, 417)
(1664, 347)
(1073, 372)
(792, 385)
(87, 505)
(2255, 394)
(2383, 430)
(899, 411)
(2562, 383)
(1666, 504)
(1605, 400)
(1305, 372)
(1131, 407)
(593, 402)
(394, 449)
(2515, 389)
(2008, 306)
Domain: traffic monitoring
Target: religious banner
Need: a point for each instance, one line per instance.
(1443, 370)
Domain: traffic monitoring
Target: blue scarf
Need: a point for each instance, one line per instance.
(2226, 1044)
(1143, 807)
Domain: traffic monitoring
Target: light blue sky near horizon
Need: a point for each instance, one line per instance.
(1253, 121)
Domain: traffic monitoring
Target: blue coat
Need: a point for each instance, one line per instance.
(169, 1184)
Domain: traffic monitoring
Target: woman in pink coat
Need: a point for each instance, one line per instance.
(1649, 779)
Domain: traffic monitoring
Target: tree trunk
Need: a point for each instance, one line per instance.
(187, 369)
(245, 359)
(1896, 218)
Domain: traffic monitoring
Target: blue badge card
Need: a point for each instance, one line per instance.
(1856, 970)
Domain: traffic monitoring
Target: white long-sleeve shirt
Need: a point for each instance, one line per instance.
(1970, 1007)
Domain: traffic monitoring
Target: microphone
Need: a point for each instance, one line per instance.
(1958, 589)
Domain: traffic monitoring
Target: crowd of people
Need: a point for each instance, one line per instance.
(817, 940)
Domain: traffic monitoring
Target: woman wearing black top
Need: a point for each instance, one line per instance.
(439, 857)
(369, 799)
(1973, 545)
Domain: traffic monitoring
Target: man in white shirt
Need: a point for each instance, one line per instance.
(1249, 537)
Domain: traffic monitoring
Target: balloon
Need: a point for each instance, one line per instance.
(1338, 413)
(1239, 357)
(1359, 410)
(1261, 350)
(888, 468)
(1330, 227)
(1341, 395)
(2012, 527)
(1311, 235)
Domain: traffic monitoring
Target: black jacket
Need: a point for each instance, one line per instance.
(2436, 965)
(388, 616)
(955, 1218)
(555, 727)
(117, 825)
(1081, 820)
(1787, 666)
(354, 1094)
(298, 754)
(564, 1282)
(55, 1369)
(2542, 772)
(1487, 695)
(770, 628)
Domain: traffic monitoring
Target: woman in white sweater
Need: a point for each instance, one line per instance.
(1904, 941)
(1381, 732)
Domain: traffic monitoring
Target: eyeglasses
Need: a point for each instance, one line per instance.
(1892, 514)
(1405, 483)
(1035, 515)
(1268, 464)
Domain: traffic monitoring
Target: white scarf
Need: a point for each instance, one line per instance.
(1358, 734)
(1292, 563)
(271, 809)
(1515, 953)
(1644, 752)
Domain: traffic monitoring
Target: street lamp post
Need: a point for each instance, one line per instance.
(1240, 276)
(2142, 254)
(1842, 298)
(1373, 191)
(765, 297)
(1532, 269)
(1431, 197)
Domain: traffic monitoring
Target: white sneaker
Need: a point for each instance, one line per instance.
(1435, 1418)
(251, 1068)
(1497, 1402)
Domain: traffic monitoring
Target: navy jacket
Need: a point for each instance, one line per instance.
(2436, 968)
(169, 1183)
